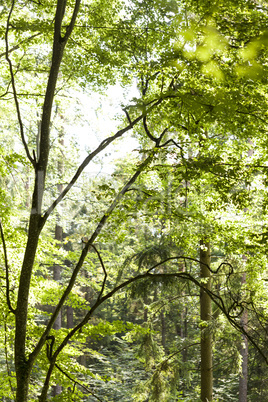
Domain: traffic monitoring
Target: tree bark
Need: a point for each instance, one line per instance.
(205, 315)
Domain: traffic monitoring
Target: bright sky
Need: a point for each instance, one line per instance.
(100, 113)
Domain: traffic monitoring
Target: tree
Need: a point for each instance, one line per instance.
(64, 23)
(190, 109)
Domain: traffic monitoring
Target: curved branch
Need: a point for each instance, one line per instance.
(194, 260)
(156, 140)
(128, 117)
(161, 136)
(147, 131)
(89, 158)
(171, 141)
(182, 275)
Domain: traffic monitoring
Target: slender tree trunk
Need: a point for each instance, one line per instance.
(243, 379)
(23, 364)
(205, 314)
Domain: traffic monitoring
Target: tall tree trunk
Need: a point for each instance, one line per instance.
(243, 379)
(205, 314)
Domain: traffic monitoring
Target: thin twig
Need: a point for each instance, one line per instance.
(18, 45)
(14, 87)
(171, 141)
(7, 363)
(7, 270)
(128, 117)
(195, 260)
(147, 131)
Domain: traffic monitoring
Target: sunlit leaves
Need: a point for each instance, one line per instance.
(200, 60)
(213, 70)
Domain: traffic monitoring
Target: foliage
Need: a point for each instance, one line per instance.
(129, 254)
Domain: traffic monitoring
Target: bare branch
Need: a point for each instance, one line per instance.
(89, 158)
(99, 300)
(14, 88)
(128, 117)
(156, 140)
(171, 141)
(18, 45)
(181, 275)
(7, 270)
(162, 135)
(104, 270)
(84, 252)
(147, 131)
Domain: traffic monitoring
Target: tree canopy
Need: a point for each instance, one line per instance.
(148, 283)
